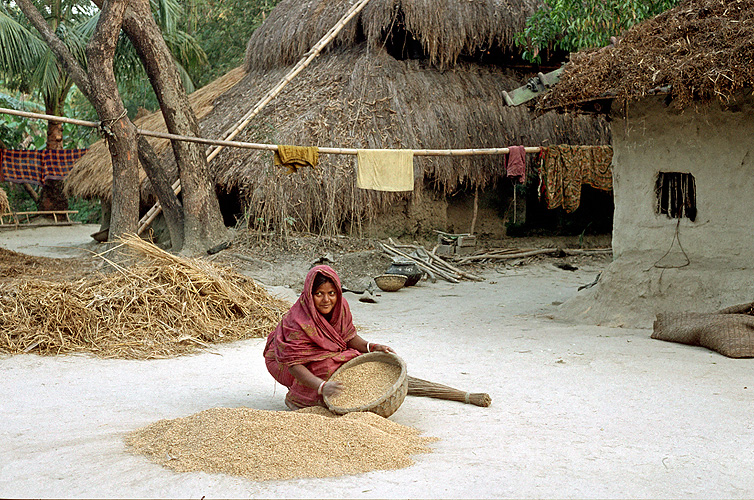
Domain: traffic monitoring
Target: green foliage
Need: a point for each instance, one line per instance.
(573, 25)
(222, 28)
(14, 130)
(89, 211)
(78, 107)
(207, 38)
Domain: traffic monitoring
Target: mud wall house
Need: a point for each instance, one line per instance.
(678, 91)
(403, 74)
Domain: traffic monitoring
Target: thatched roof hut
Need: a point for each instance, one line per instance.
(409, 74)
(698, 52)
(678, 91)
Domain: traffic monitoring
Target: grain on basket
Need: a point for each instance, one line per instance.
(364, 383)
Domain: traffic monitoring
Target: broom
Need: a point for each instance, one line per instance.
(419, 387)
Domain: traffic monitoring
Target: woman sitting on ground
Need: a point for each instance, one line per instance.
(314, 338)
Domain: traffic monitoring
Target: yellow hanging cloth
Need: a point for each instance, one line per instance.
(295, 157)
(385, 169)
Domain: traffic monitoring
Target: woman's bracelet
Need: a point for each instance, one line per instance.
(319, 389)
(368, 349)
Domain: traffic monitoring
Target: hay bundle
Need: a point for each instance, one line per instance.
(4, 203)
(163, 305)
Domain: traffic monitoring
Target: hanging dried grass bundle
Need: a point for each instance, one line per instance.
(162, 305)
(4, 203)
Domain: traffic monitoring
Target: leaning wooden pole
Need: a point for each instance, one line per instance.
(246, 119)
(303, 63)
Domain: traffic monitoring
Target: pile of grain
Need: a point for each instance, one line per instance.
(364, 383)
(159, 306)
(266, 445)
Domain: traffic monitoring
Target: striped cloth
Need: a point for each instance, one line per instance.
(36, 166)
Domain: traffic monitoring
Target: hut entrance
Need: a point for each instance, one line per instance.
(594, 215)
(230, 206)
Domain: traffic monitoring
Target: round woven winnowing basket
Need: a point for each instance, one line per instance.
(390, 282)
(388, 403)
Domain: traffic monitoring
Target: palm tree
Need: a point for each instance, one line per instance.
(22, 50)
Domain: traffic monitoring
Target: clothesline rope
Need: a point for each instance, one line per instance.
(268, 147)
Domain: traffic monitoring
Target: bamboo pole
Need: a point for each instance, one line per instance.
(157, 208)
(476, 209)
(261, 146)
(519, 255)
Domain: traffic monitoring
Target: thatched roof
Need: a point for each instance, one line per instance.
(445, 30)
(699, 51)
(92, 175)
(362, 93)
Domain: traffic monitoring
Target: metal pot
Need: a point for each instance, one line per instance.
(407, 268)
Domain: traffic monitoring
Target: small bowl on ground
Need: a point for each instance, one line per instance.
(388, 401)
(390, 282)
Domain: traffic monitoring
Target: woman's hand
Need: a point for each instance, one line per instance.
(380, 347)
(332, 388)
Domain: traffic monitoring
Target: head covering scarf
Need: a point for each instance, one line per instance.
(305, 337)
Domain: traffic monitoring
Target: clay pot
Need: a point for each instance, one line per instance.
(408, 269)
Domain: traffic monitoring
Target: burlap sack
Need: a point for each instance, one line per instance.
(729, 331)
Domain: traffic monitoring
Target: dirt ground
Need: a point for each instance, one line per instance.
(578, 411)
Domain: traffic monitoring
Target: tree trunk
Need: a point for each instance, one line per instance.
(101, 90)
(171, 207)
(120, 132)
(203, 222)
(51, 196)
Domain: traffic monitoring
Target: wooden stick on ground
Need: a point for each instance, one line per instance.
(454, 269)
(419, 262)
(531, 253)
(476, 210)
(428, 258)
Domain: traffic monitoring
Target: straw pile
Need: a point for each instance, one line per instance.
(161, 306)
(4, 203)
(268, 445)
(364, 383)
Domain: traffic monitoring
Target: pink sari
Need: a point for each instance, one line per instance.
(305, 337)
